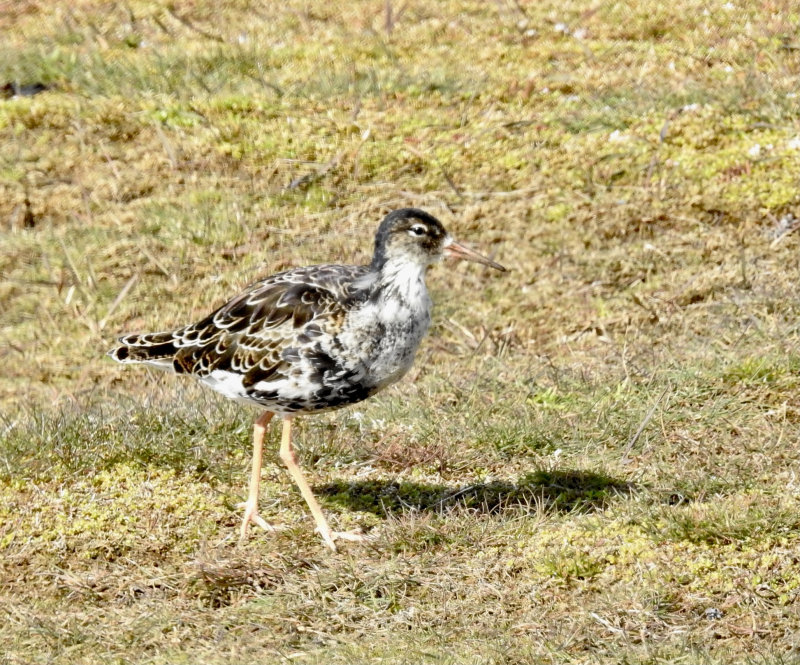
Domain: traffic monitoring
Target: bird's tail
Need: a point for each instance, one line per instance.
(151, 348)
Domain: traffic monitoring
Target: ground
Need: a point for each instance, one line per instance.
(595, 458)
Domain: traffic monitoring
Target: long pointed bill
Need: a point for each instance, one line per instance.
(458, 251)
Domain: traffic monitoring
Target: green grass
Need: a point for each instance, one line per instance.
(594, 458)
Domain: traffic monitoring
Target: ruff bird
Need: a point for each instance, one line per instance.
(311, 339)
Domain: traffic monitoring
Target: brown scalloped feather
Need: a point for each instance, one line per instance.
(253, 332)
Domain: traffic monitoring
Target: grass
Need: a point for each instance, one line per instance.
(594, 458)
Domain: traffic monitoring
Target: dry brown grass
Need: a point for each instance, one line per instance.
(595, 456)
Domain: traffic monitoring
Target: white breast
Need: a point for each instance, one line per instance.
(386, 331)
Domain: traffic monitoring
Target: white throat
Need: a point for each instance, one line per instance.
(404, 281)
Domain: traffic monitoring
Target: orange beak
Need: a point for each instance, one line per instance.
(457, 251)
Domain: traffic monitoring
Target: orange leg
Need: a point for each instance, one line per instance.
(251, 505)
(288, 458)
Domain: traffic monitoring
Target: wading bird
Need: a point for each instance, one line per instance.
(312, 339)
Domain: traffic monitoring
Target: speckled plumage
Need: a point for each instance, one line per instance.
(314, 338)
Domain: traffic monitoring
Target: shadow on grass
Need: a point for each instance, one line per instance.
(552, 491)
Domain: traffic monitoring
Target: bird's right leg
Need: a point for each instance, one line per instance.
(251, 505)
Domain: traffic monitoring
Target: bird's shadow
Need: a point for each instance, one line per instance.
(550, 491)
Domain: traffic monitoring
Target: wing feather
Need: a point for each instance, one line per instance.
(254, 333)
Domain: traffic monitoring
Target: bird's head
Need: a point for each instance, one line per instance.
(413, 236)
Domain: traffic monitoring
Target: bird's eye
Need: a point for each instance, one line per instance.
(417, 230)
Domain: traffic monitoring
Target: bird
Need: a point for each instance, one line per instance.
(311, 339)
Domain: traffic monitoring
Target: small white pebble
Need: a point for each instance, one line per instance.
(755, 150)
(617, 137)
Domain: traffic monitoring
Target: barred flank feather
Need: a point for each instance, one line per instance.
(150, 347)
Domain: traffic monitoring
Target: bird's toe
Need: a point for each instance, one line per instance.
(330, 537)
(251, 516)
(354, 536)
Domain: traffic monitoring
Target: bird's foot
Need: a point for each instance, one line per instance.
(354, 536)
(330, 537)
(251, 515)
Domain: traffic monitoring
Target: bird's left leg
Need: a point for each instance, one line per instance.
(288, 458)
(251, 505)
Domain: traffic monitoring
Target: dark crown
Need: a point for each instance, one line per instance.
(403, 217)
